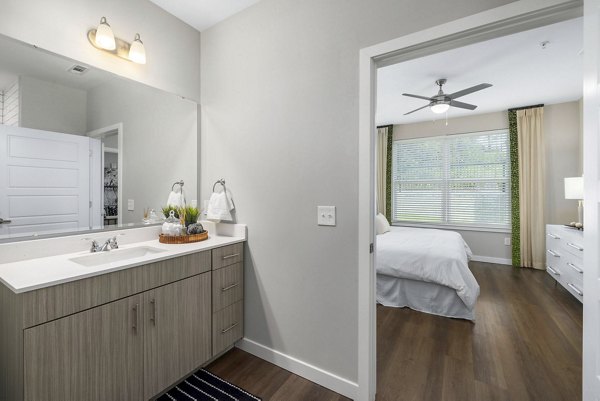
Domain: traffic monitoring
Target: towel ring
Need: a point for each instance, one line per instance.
(222, 182)
(180, 183)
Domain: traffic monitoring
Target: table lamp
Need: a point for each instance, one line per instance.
(574, 190)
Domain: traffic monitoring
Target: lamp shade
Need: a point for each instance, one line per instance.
(137, 52)
(440, 108)
(574, 188)
(105, 37)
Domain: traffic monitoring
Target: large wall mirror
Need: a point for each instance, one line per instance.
(83, 149)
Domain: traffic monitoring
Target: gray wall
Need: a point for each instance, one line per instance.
(60, 26)
(52, 107)
(280, 123)
(562, 132)
(159, 141)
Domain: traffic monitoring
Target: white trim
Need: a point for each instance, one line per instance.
(489, 259)
(100, 133)
(511, 18)
(322, 377)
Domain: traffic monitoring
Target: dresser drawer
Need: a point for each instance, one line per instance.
(228, 327)
(227, 255)
(227, 286)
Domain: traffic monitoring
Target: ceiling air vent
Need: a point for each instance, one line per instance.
(78, 69)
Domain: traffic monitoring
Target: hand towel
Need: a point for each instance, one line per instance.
(220, 206)
(176, 199)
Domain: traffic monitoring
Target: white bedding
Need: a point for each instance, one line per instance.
(433, 256)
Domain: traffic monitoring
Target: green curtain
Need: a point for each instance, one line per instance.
(514, 188)
(388, 175)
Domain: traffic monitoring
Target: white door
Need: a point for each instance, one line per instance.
(44, 181)
(591, 277)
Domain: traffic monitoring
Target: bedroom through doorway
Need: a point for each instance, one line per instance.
(460, 299)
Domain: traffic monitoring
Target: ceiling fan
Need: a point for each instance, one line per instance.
(441, 102)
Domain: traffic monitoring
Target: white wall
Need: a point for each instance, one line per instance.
(52, 107)
(60, 26)
(159, 141)
(280, 124)
(562, 132)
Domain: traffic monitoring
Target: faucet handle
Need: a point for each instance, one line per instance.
(95, 245)
(113, 241)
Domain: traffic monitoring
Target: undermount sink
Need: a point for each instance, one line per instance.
(119, 255)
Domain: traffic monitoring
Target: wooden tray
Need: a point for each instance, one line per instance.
(182, 239)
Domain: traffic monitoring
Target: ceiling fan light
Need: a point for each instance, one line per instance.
(440, 108)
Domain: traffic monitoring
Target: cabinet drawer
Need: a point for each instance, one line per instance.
(227, 255)
(227, 286)
(228, 327)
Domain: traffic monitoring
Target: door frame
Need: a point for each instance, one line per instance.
(101, 133)
(512, 18)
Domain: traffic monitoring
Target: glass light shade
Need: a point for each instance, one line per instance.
(105, 37)
(574, 188)
(440, 108)
(137, 52)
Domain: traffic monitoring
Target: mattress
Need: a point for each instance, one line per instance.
(438, 258)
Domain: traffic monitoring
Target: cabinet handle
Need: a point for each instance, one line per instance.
(553, 236)
(230, 256)
(229, 287)
(577, 290)
(553, 271)
(229, 328)
(575, 246)
(572, 266)
(153, 311)
(551, 252)
(135, 317)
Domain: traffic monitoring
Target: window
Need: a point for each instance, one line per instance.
(455, 180)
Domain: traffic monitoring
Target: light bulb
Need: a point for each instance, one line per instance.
(137, 52)
(440, 108)
(105, 37)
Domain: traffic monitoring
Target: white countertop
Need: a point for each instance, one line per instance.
(31, 274)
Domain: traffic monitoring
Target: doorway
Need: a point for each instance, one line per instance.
(501, 21)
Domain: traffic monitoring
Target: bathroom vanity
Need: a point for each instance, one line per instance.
(123, 329)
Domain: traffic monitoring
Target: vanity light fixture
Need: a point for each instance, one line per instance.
(102, 38)
(137, 52)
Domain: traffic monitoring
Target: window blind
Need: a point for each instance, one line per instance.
(458, 180)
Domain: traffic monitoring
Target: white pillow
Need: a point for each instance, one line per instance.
(381, 224)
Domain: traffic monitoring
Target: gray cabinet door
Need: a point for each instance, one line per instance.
(95, 355)
(178, 331)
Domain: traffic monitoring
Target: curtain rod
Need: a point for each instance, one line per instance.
(526, 107)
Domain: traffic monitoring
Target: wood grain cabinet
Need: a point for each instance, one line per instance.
(123, 336)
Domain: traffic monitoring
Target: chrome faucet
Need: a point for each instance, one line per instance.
(110, 243)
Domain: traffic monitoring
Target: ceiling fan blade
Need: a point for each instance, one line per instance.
(461, 105)
(417, 96)
(468, 90)
(410, 112)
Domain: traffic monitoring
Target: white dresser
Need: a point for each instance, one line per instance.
(564, 257)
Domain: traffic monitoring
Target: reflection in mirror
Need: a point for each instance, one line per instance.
(83, 149)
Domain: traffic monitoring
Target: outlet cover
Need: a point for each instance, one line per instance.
(326, 215)
(507, 241)
(130, 204)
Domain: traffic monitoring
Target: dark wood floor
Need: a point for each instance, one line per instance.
(524, 346)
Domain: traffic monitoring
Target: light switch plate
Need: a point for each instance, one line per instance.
(326, 215)
(130, 204)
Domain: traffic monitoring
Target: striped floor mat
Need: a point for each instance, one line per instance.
(204, 386)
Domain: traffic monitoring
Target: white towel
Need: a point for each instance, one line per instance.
(220, 206)
(176, 199)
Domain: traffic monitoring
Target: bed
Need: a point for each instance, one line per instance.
(426, 270)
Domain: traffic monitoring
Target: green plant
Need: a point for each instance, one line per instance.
(191, 215)
(167, 211)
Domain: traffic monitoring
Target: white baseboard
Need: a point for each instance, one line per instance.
(322, 377)
(488, 259)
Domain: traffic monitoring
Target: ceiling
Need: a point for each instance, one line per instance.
(202, 14)
(521, 72)
(33, 62)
